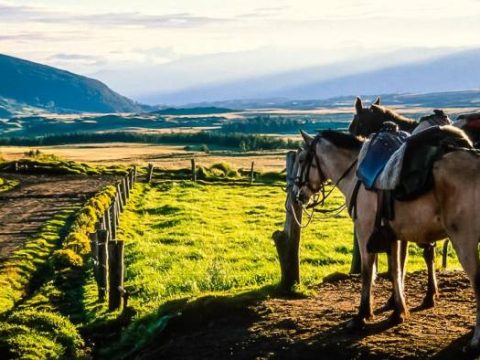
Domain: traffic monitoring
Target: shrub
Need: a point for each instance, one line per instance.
(65, 258)
(55, 326)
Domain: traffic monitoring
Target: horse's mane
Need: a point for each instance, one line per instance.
(342, 139)
(392, 115)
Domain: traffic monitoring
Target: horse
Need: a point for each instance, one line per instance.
(447, 210)
(369, 120)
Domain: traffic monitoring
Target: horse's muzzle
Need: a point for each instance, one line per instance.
(301, 197)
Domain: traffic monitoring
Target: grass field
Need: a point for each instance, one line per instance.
(186, 241)
(164, 156)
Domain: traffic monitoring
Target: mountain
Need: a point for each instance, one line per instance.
(43, 87)
(452, 72)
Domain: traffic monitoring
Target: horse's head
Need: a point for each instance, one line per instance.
(310, 178)
(366, 120)
(329, 156)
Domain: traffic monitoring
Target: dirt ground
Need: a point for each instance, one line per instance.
(24, 209)
(315, 327)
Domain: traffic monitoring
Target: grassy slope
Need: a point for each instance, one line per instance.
(186, 240)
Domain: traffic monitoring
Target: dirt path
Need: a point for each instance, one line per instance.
(315, 328)
(24, 209)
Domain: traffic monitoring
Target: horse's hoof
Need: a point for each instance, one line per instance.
(473, 348)
(357, 323)
(398, 317)
(428, 303)
(389, 305)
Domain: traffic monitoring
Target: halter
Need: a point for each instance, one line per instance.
(320, 193)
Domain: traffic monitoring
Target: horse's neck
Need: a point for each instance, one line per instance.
(403, 123)
(337, 162)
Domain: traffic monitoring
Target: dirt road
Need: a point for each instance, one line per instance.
(24, 209)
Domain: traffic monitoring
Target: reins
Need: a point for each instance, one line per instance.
(321, 195)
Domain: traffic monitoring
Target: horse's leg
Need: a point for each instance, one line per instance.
(365, 310)
(400, 312)
(467, 251)
(432, 288)
(403, 260)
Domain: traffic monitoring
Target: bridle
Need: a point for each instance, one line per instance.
(320, 193)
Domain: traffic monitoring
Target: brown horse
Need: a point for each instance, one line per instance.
(369, 120)
(449, 209)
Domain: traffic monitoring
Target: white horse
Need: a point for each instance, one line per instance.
(450, 209)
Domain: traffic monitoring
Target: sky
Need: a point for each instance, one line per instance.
(194, 41)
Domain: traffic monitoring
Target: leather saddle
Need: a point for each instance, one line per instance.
(379, 150)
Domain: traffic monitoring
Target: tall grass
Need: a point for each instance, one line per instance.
(185, 240)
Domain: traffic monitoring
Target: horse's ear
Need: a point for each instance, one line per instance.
(377, 101)
(307, 138)
(358, 105)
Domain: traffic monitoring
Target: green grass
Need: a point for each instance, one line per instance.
(187, 240)
(43, 325)
(25, 267)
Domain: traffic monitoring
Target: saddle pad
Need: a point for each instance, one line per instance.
(375, 154)
(389, 177)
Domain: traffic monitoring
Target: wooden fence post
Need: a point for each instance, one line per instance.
(123, 191)
(252, 173)
(133, 175)
(113, 220)
(127, 185)
(108, 224)
(287, 241)
(102, 236)
(116, 273)
(94, 248)
(150, 173)
(445, 253)
(194, 171)
(118, 198)
(356, 265)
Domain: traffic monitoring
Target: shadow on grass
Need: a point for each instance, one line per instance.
(122, 336)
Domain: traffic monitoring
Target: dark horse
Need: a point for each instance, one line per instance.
(369, 120)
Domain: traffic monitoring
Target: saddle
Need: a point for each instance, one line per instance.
(377, 151)
(402, 173)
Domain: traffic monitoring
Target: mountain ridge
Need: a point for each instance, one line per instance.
(449, 72)
(56, 90)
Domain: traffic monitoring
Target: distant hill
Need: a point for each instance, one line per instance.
(45, 87)
(456, 99)
(194, 111)
(452, 72)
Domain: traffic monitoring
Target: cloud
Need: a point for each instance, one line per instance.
(74, 57)
(264, 12)
(15, 13)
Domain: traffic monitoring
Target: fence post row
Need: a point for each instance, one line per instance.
(107, 251)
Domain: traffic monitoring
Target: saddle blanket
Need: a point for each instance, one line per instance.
(376, 153)
(408, 171)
